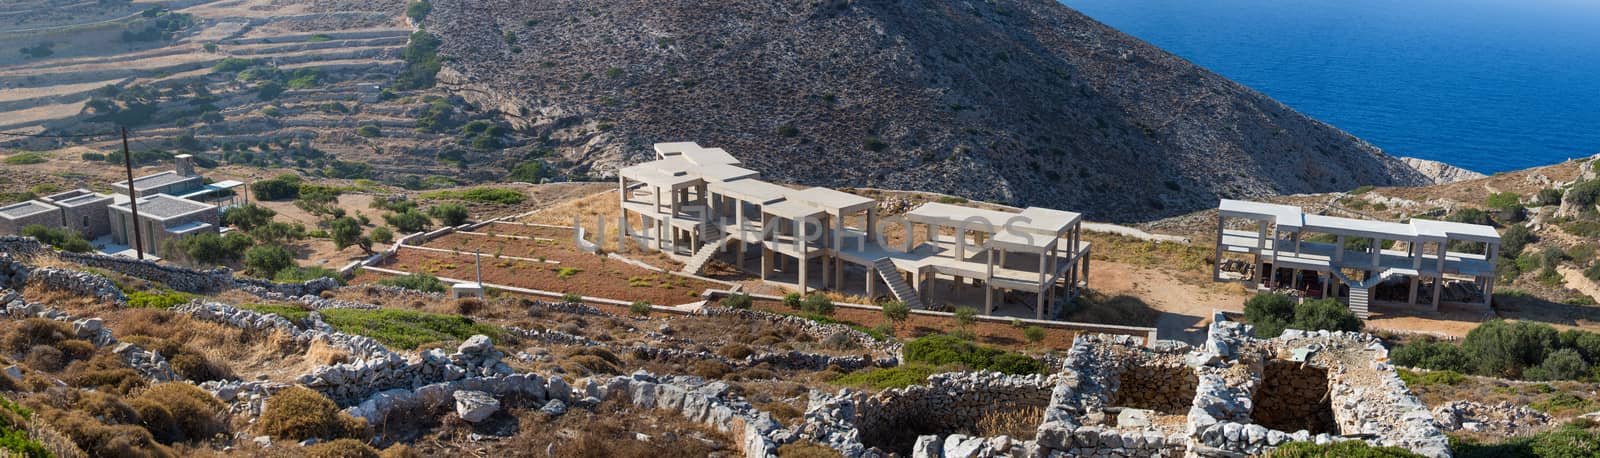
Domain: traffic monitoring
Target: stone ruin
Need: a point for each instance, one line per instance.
(1234, 396)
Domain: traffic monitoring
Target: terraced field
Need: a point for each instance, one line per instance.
(238, 82)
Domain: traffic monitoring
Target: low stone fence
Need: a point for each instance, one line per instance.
(350, 383)
(148, 363)
(178, 278)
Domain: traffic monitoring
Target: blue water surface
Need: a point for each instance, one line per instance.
(1487, 85)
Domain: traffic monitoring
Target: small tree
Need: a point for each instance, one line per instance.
(1503, 348)
(965, 317)
(1034, 334)
(1325, 314)
(248, 216)
(346, 231)
(449, 214)
(278, 233)
(896, 312)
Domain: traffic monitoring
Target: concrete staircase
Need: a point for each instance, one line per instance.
(903, 292)
(1359, 297)
(698, 262)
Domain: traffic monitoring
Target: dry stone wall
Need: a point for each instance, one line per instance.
(149, 364)
(178, 278)
(931, 416)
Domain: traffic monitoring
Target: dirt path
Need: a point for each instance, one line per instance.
(1185, 308)
(1575, 280)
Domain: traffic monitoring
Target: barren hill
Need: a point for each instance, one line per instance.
(1020, 101)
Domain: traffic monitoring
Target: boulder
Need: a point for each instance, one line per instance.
(475, 406)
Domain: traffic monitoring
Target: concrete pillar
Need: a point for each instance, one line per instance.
(1377, 254)
(1338, 250)
(1216, 265)
(872, 283)
(1411, 298)
(1438, 291)
(988, 289)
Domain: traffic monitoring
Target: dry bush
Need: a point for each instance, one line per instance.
(468, 306)
(105, 440)
(44, 358)
(58, 444)
(735, 351)
(610, 432)
(36, 331)
(589, 360)
(323, 354)
(782, 411)
(104, 372)
(709, 369)
(180, 412)
(342, 448)
(298, 413)
(400, 451)
(807, 449)
(1017, 423)
(105, 407)
(75, 349)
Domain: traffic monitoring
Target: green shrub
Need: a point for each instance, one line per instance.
(1363, 189)
(940, 350)
(1034, 334)
(480, 195)
(571, 298)
(1269, 313)
(1503, 348)
(267, 260)
(381, 234)
(61, 239)
(818, 304)
(409, 221)
(406, 329)
(282, 187)
(211, 248)
(1548, 196)
(1566, 442)
(1438, 356)
(639, 308)
(1342, 449)
(737, 301)
(793, 300)
(887, 379)
(449, 214)
(417, 281)
(1514, 239)
(1503, 200)
(1431, 378)
(965, 317)
(369, 131)
(158, 300)
(305, 274)
(26, 158)
(1324, 314)
(248, 216)
(296, 414)
(1563, 364)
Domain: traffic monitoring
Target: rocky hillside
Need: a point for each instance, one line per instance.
(1020, 101)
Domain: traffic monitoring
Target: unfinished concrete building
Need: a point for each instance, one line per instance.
(1420, 264)
(698, 204)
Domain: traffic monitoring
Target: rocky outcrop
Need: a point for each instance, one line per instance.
(1439, 172)
(1019, 101)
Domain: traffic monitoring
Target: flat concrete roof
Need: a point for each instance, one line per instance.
(751, 190)
(1050, 220)
(667, 149)
(791, 210)
(1291, 218)
(832, 200)
(709, 156)
(725, 172)
(156, 180)
(189, 227)
(164, 207)
(77, 197)
(25, 209)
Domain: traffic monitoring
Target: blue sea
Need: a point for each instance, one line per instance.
(1485, 85)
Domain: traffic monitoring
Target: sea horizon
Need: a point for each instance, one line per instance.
(1483, 85)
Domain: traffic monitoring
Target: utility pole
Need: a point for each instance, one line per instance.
(133, 198)
(478, 260)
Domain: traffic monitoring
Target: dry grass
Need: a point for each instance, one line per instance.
(1020, 424)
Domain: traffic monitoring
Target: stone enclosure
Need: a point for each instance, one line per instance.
(1234, 396)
